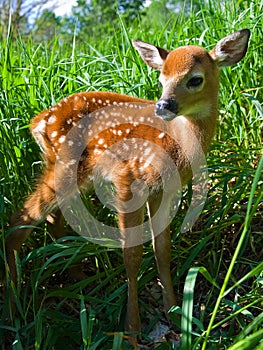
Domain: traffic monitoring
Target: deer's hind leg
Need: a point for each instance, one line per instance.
(35, 210)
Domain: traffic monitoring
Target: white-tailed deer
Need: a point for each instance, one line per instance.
(181, 124)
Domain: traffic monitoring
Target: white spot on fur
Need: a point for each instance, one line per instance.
(126, 147)
(149, 160)
(97, 151)
(147, 151)
(41, 127)
(62, 139)
(54, 134)
(72, 162)
(161, 135)
(51, 119)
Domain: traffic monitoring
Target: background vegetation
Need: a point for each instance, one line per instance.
(219, 262)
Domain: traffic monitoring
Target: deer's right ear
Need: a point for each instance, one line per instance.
(154, 56)
(231, 49)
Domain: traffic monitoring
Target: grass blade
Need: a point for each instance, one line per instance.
(87, 323)
(249, 342)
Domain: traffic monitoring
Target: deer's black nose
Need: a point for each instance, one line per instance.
(166, 108)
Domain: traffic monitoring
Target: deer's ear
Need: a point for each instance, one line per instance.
(154, 56)
(231, 49)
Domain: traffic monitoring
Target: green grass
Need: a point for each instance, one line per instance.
(219, 262)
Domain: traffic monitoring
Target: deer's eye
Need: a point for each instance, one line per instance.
(195, 82)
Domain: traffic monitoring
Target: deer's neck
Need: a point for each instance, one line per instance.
(194, 133)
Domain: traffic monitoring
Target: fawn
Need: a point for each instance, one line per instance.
(174, 132)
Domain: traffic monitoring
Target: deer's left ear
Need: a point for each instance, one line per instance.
(231, 49)
(154, 56)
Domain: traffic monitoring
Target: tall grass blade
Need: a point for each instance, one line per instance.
(258, 269)
(250, 342)
(87, 322)
(84, 324)
(256, 323)
(187, 307)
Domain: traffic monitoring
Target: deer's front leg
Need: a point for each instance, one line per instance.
(162, 246)
(131, 228)
(132, 261)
